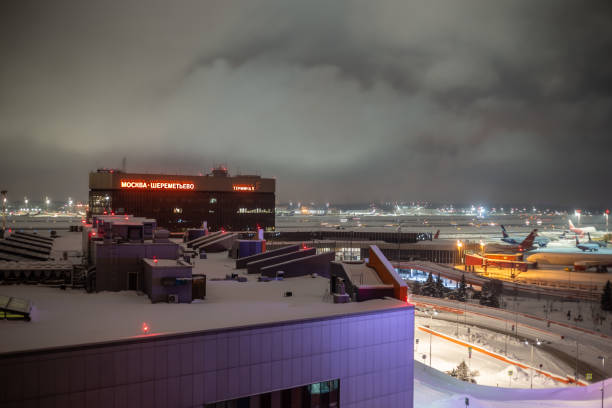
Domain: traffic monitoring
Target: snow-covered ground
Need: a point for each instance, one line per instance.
(590, 313)
(446, 355)
(434, 389)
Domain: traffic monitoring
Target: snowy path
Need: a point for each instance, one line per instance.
(492, 367)
(567, 341)
(434, 389)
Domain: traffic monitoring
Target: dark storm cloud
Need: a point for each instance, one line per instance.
(505, 101)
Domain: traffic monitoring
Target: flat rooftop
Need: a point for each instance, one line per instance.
(74, 317)
(164, 263)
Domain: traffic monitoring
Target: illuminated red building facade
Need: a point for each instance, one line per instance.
(234, 203)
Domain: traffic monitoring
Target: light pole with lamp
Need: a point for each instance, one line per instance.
(603, 383)
(3, 193)
(537, 343)
(606, 214)
(399, 234)
(459, 245)
(576, 369)
(431, 315)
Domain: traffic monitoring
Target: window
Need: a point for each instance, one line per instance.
(177, 210)
(325, 394)
(213, 200)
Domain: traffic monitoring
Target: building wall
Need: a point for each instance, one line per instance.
(371, 354)
(115, 261)
(152, 286)
(319, 264)
(212, 200)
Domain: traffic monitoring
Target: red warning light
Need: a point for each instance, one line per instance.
(223, 230)
(145, 328)
(155, 259)
(105, 213)
(112, 213)
(607, 211)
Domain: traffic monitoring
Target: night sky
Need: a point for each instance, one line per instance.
(447, 101)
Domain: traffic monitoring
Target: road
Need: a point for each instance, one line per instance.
(577, 291)
(560, 338)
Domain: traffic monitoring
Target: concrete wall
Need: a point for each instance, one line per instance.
(319, 264)
(242, 262)
(371, 354)
(359, 293)
(153, 287)
(255, 266)
(115, 261)
(387, 273)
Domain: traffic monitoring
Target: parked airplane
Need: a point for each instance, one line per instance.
(590, 246)
(541, 241)
(582, 230)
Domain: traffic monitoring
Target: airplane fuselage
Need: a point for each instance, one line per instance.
(540, 241)
(568, 256)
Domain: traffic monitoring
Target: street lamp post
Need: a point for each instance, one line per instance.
(603, 383)
(506, 343)
(399, 235)
(3, 193)
(576, 369)
(457, 331)
(537, 343)
(465, 311)
(431, 315)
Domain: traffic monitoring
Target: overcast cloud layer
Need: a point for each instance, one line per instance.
(447, 101)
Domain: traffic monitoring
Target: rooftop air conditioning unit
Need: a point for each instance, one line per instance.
(173, 298)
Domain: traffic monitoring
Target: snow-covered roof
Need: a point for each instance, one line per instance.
(74, 317)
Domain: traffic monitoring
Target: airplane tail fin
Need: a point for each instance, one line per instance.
(571, 224)
(528, 242)
(504, 233)
(437, 235)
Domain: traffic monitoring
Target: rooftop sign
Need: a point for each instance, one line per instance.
(243, 187)
(156, 185)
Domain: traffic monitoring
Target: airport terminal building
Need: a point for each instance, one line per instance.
(177, 202)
